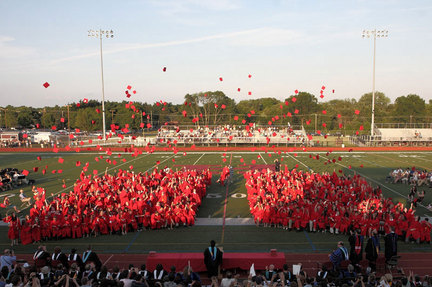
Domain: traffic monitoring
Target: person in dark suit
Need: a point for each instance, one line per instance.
(390, 244)
(277, 165)
(41, 257)
(90, 256)
(356, 243)
(372, 250)
(59, 257)
(75, 258)
(212, 259)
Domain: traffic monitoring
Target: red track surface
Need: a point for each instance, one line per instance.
(419, 263)
(223, 148)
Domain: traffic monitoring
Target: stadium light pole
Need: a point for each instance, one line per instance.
(99, 34)
(375, 34)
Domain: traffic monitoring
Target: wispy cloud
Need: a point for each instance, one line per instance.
(10, 51)
(238, 38)
(178, 7)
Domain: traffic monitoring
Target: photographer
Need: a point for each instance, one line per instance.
(33, 281)
(7, 259)
(66, 281)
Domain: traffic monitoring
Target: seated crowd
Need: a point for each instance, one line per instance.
(12, 177)
(75, 270)
(328, 202)
(410, 176)
(216, 134)
(113, 204)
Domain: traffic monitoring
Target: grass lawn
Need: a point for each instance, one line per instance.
(374, 166)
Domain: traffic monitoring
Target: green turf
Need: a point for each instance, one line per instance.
(376, 166)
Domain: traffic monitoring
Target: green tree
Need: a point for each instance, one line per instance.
(305, 104)
(410, 108)
(214, 106)
(364, 105)
(47, 119)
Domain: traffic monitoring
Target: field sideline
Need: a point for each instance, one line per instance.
(373, 165)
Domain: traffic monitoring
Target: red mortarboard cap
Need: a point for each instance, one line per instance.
(25, 172)
(35, 169)
(357, 112)
(46, 85)
(60, 160)
(221, 79)
(164, 69)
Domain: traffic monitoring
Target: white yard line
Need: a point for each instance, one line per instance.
(262, 158)
(300, 162)
(198, 159)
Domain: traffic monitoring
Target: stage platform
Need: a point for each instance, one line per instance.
(230, 260)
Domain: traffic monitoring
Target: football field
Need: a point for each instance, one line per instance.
(224, 214)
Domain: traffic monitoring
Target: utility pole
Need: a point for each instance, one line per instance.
(316, 117)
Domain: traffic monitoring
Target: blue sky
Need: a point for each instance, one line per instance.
(284, 44)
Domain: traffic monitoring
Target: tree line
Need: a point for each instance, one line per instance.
(215, 108)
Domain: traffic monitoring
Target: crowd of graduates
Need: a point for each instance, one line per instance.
(86, 269)
(113, 204)
(295, 199)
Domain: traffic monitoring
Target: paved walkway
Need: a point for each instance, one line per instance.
(228, 221)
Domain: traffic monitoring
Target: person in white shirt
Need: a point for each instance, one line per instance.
(226, 282)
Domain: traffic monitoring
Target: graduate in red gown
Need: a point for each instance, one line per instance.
(14, 227)
(26, 232)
